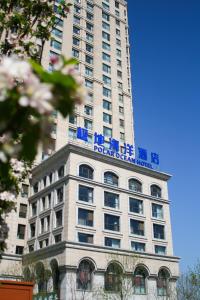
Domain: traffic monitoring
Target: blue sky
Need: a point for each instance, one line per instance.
(165, 59)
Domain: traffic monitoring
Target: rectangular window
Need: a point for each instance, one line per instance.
(88, 71)
(116, 4)
(107, 118)
(72, 134)
(105, 36)
(106, 92)
(119, 63)
(32, 230)
(105, 46)
(34, 209)
(21, 231)
(118, 42)
(121, 123)
(59, 194)
(89, 59)
(85, 217)
(118, 32)
(122, 136)
(58, 238)
(90, 6)
(161, 250)
(106, 68)
(111, 200)
(59, 22)
(89, 48)
(137, 227)
(159, 231)
(111, 222)
(89, 37)
(56, 45)
(106, 80)
(119, 74)
(22, 210)
(85, 194)
(136, 206)
(106, 57)
(107, 105)
(105, 25)
(85, 238)
(121, 99)
(77, 9)
(117, 13)
(24, 190)
(121, 110)
(59, 221)
(19, 250)
(57, 32)
(89, 83)
(76, 42)
(89, 16)
(105, 16)
(76, 30)
(105, 6)
(157, 211)
(89, 26)
(120, 86)
(107, 132)
(90, 97)
(118, 53)
(75, 53)
(88, 110)
(73, 119)
(88, 124)
(138, 247)
(117, 22)
(113, 243)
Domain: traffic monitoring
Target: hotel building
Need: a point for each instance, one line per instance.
(94, 216)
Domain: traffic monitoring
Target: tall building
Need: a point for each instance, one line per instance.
(96, 210)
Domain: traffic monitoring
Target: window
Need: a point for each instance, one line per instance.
(76, 30)
(105, 6)
(116, 4)
(111, 178)
(155, 191)
(32, 230)
(19, 250)
(42, 230)
(137, 227)
(88, 124)
(59, 22)
(138, 247)
(72, 134)
(56, 45)
(59, 194)
(117, 22)
(163, 282)
(75, 53)
(21, 231)
(89, 37)
(85, 238)
(106, 68)
(35, 188)
(88, 83)
(159, 231)
(106, 57)
(24, 190)
(111, 200)
(111, 222)
(58, 222)
(88, 110)
(90, 6)
(85, 275)
(119, 63)
(105, 46)
(106, 80)
(76, 41)
(135, 185)
(90, 97)
(61, 172)
(77, 9)
(89, 16)
(22, 210)
(157, 211)
(106, 92)
(34, 209)
(58, 33)
(119, 74)
(139, 281)
(118, 52)
(31, 248)
(113, 243)
(113, 277)
(85, 217)
(88, 71)
(118, 32)
(122, 136)
(105, 16)
(89, 59)
(58, 238)
(107, 105)
(85, 194)
(118, 42)
(121, 99)
(161, 250)
(136, 206)
(107, 132)
(121, 110)
(117, 13)
(89, 26)
(86, 171)
(121, 123)
(89, 48)
(105, 36)
(73, 119)
(107, 118)
(105, 25)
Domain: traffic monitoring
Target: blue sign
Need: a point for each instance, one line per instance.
(127, 152)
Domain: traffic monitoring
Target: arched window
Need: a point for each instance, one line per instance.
(86, 171)
(111, 178)
(155, 191)
(113, 277)
(84, 275)
(139, 281)
(135, 185)
(162, 282)
(55, 276)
